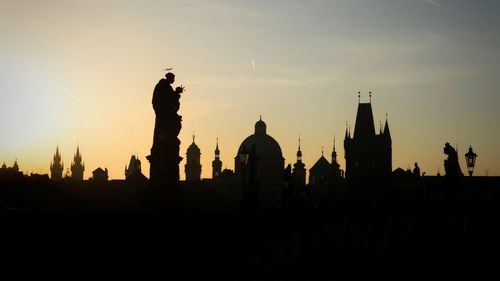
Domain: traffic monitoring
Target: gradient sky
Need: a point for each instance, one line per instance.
(83, 71)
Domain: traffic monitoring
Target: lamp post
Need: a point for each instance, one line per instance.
(243, 159)
(470, 160)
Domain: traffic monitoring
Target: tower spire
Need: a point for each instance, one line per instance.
(359, 96)
(217, 151)
(299, 153)
(334, 152)
(370, 94)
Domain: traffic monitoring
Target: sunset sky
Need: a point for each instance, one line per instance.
(83, 71)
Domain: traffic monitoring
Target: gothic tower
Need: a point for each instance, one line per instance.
(335, 164)
(56, 167)
(193, 166)
(216, 164)
(77, 166)
(299, 171)
(367, 154)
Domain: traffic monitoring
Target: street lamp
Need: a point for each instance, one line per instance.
(470, 160)
(243, 161)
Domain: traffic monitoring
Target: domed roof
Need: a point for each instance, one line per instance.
(193, 148)
(260, 127)
(265, 145)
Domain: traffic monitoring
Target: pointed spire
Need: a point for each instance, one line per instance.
(380, 127)
(370, 94)
(193, 138)
(359, 96)
(260, 118)
(299, 152)
(217, 151)
(349, 131)
(387, 132)
(334, 153)
(321, 151)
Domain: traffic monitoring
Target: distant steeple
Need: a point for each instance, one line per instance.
(217, 151)
(192, 167)
(15, 167)
(299, 153)
(77, 166)
(56, 166)
(217, 163)
(387, 132)
(299, 171)
(334, 153)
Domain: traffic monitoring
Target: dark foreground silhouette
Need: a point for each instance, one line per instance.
(430, 228)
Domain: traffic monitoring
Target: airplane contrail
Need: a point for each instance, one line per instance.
(68, 93)
(253, 64)
(434, 3)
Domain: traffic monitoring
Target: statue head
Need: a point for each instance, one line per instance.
(446, 149)
(170, 77)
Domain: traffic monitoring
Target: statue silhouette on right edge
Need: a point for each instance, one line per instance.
(451, 165)
(164, 158)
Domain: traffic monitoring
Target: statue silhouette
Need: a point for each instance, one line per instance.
(164, 158)
(451, 165)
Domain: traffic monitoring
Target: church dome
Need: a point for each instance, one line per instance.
(193, 148)
(265, 145)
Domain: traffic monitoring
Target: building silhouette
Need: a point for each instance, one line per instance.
(321, 172)
(193, 166)
(56, 167)
(77, 166)
(216, 164)
(11, 172)
(299, 170)
(134, 167)
(266, 152)
(100, 175)
(367, 154)
(336, 171)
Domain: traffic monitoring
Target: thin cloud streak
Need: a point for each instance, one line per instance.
(68, 93)
(434, 3)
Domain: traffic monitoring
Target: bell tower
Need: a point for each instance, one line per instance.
(193, 166)
(56, 167)
(216, 164)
